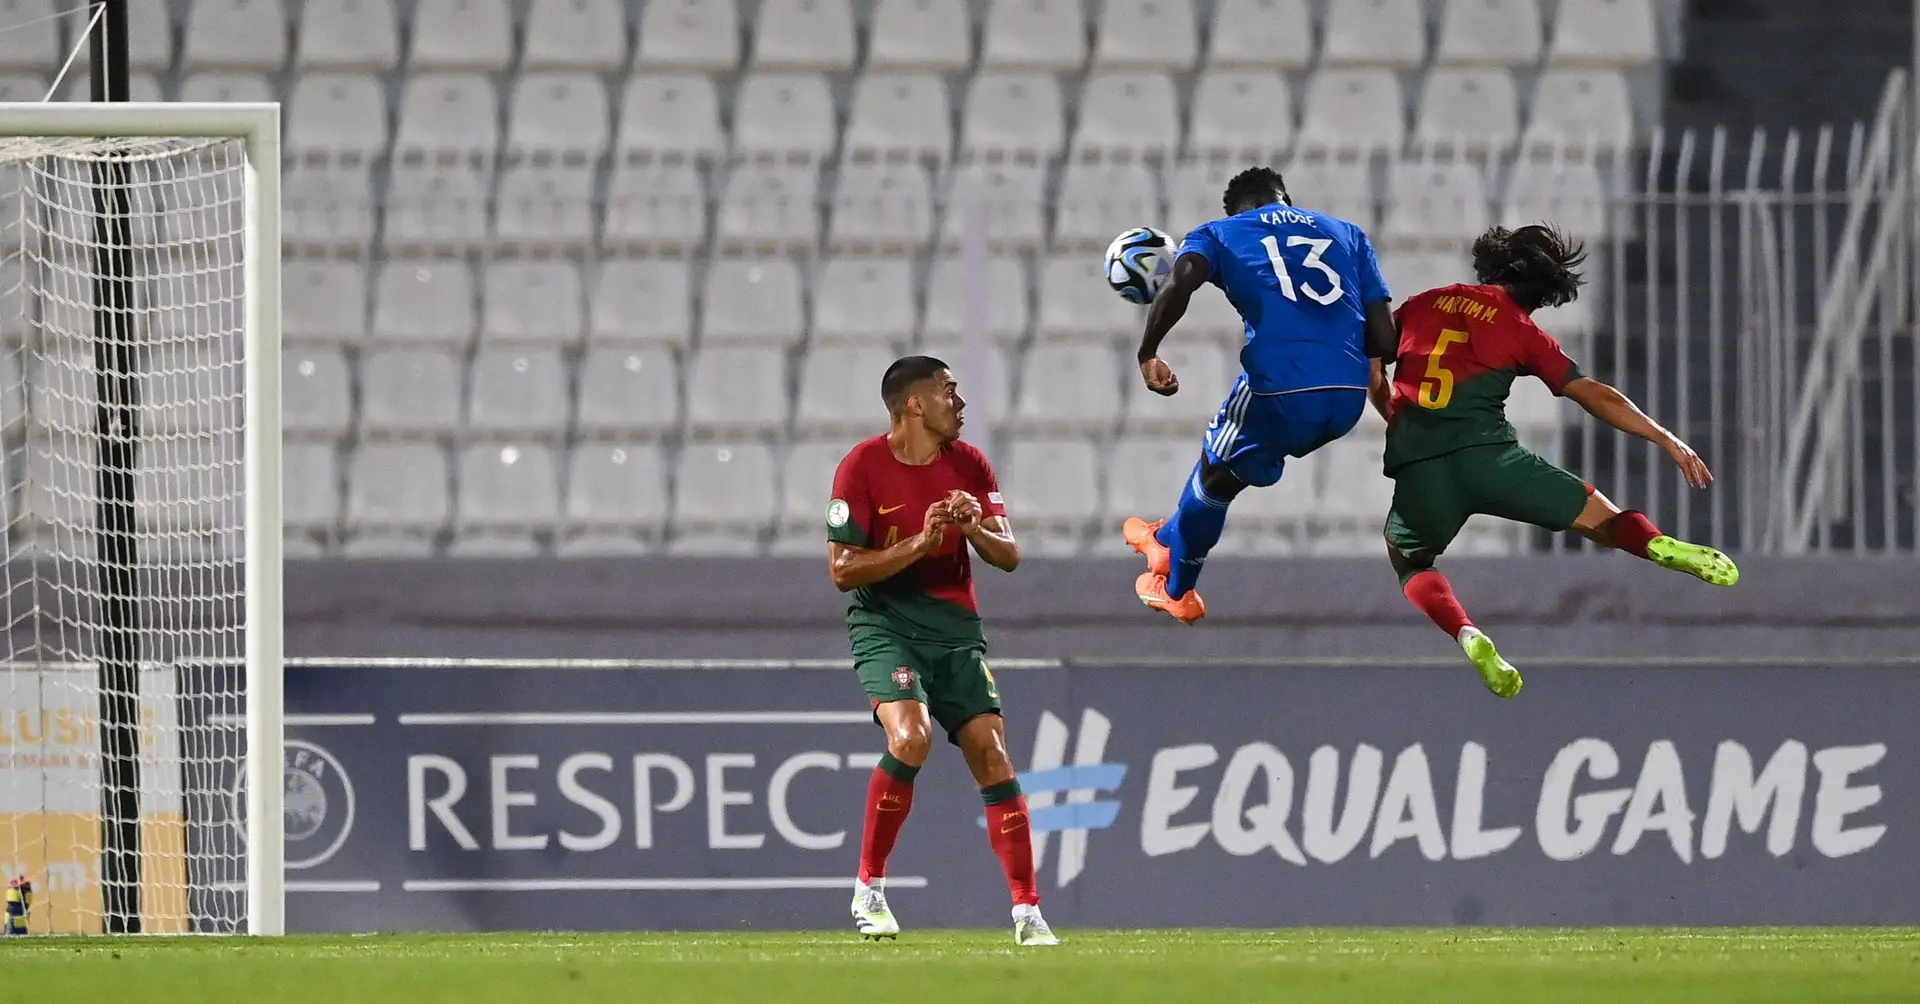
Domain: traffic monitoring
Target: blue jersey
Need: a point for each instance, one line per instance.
(1302, 282)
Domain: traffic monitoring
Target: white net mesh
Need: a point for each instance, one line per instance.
(122, 414)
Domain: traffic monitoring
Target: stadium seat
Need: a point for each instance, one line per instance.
(1145, 477)
(531, 303)
(783, 116)
(226, 86)
(1099, 200)
(1374, 33)
(1147, 35)
(1013, 114)
(542, 209)
(356, 35)
(752, 300)
(437, 207)
(1194, 188)
(603, 544)
(655, 208)
(1127, 114)
(701, 35)
(1572, 321)
(1076, 303)
(1046, 35)
(1487, 537)
(1353, 110)
(665, 116)
(1205, 377)
(1241, 115)
(335, 117)
(1051, 484)
(1281, 507)
(840, 390)
(1534, 410)
(424, 301)
(899, 115)
(324, 301)
(558, 116)
(627, 394)
(1609, 33)
(1412, 271)
(1353, 491)
(623, 486)
(149, 45)
(474, 35)
(806, 485)
(641, 301)
(447, 115)
(409, 393)
(881, 206)
(737, 391)
(316, 402)
(586, 35)
(934, 36)
(1260, 35)
(724, 489)
(495, 543)
(1068, 389)
(1010, 201)
(1576, 111)
(514, 486)
(864, 300)
(954, 294)
(397, 488)
(1475, 111)
(1210, 315)
(804, 35)
(770, 208)
(987, 385)
(1434, 203)
(1569, 193)
(517, 392)
(235, 35)
(311, 490)
(382, 545)
(1341, 188)
(1502, 33)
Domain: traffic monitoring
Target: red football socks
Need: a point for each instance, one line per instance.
(1631, 532)
(1012, 837)
(889, 797)
(1433, 594)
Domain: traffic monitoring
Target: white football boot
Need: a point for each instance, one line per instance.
(1030, 930)
(870, 914)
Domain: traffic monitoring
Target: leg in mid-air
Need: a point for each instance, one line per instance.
(889, 798)
(1176, 547)
(1631, 531)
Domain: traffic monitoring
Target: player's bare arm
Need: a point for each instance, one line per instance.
(1382, 336)
(854, 567)
(1380, 388)
(991, 536)
(1189, 272)
(1607, 404)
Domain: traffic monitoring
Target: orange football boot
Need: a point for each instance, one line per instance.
(1140, 537)
(1152, 590)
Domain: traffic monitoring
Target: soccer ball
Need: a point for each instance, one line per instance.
(1139, 262)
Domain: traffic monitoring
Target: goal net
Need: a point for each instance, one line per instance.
(129, 350)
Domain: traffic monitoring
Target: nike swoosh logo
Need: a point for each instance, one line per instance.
(887, 509)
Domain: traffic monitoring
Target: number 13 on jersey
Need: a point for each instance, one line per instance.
(1436, 387)
(1319, 246)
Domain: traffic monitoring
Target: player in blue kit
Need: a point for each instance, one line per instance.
(1309, 288)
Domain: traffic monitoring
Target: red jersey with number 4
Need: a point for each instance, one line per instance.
(1460, 349)
(879, 502)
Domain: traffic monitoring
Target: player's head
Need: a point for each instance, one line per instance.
(922, 390)
(1537, 264)
(1253, 188)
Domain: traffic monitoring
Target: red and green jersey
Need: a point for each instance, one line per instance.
(1460, 349)
(878, 502)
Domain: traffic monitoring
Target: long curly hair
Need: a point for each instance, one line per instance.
(1538, 265)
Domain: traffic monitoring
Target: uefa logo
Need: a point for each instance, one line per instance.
(319, 805)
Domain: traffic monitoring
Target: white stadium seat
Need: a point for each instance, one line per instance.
(1568, 194)
(1435, 204)
(755, 300)
(1127, 113)
(576, 35)
(840, 390)
(1015, 114)
(900, 115)
(784, 116)
(868, 300)
(337, 117)
(623, 486)
(1295, 497)
(1147, 34)
(1353, 490)
(641, 301)
(518, 393)
(806, 485)
(225, 86)
(628, 393)
(1338, 188)
(1146, 477)
(472, 35)
(1613, 33)
(1099, 200)
(1534, 410)
(312, 488)
(447, 114)
(1241, 115)
(1374, 33)
(986, 383)
(409, 393)
(804, 35)
(143, 87)
(1005, 199)
(927, 35)
(1260, 35)
(558, 116)
(491, 541)
(1579, 111)
(1411, 271)
(1034, 34)
(724, 488)
(1472, 110)
(436, 206)
(424, 301)
(32, 41)
(1194, 189)
(954, 293)
(1211, 315)
(531, 303)
(770, 208)
(398, 487)
(1051, 483)
(316, 401)
(236, 35)
(1353, 110)
(358, 35)
(1068, 389)
(1077, 303)
(149, 43)
(881, 206)
(324, 301)
(665, 116)
(655, 208)
(1205, 377)
(542, 208)
(699, 35)
(1490, 33)
(737, 391)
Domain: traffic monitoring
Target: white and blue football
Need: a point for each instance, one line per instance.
(1139, 262)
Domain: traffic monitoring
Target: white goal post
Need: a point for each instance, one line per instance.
(140, 412)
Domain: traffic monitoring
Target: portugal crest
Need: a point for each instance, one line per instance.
(903, 678)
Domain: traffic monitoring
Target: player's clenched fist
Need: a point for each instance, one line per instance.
(1159, 376)
(934, 529)
(964, 508)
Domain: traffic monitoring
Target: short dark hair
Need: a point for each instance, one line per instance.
(1536, 263)
(1253, 188)
(902, 375)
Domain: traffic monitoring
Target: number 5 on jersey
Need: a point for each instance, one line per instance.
(1436, 388)
(1323, 297)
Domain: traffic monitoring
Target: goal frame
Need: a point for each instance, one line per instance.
(258, 125)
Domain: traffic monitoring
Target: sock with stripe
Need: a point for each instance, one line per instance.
(1009, 831)
(1433, 595)
(1190, 533)
(889, 797)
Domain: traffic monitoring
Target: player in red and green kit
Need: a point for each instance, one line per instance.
(908, 508)
(1451, 452)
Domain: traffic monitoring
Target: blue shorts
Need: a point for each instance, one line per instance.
(1254, 434)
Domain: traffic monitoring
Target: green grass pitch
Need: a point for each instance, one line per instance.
(1628, 966)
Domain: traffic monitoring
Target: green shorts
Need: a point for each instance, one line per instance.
(952, 681)
(1433, 498)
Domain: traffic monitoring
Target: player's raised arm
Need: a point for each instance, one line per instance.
(1605, 402)
(1190, 270)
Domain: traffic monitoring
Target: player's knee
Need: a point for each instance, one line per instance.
(1218, 482)
(910, 742)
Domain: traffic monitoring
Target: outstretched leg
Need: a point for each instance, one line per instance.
(1631, 531)
(1431, 594)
